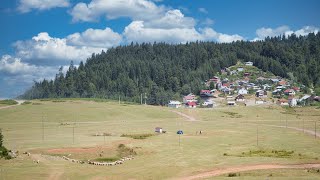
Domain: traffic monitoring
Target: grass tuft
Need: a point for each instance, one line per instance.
(137, 136)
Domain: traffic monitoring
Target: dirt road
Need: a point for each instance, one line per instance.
(188, 118)
(19, 103)
(218, 172)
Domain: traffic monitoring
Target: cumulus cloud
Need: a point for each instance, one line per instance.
(27, 5)
(172, 19)
(203, 10)
(45, 47)
(137, 32)
(103, 38)
(17, 75)
(262, 33)
(12, 65)
(112, 9)
(208, 22)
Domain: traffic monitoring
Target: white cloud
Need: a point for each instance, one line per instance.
(12, 65)
(210, 34)
(137, 32)
(262, 33)
(208, 22)
(27, 5)
(112, 9)
(172, 19)
(103, 38)
(44, 47)
(203, 10)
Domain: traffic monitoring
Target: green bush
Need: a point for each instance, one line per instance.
(8, 102)
(137, 136)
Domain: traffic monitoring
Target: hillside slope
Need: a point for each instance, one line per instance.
(163, 71)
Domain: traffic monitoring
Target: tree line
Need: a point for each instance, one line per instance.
(167, 71)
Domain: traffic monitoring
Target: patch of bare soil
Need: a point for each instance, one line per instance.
(221, 171)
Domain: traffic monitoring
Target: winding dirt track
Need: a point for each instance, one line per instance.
(188, 118)
(218, 172)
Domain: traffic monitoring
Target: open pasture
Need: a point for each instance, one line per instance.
(94, 130)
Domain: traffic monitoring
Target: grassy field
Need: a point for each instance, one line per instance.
(229, 138)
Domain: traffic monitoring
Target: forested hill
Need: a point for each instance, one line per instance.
(164, 71)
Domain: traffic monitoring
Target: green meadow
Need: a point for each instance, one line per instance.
(84, 129)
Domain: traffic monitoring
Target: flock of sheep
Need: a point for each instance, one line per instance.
(121, 161)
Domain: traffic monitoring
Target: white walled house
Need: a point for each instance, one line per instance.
(243, 91)
(249, 63)
(174, 104)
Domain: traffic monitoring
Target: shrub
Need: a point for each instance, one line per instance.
(8, 102)
(137, 136)
(232, 174)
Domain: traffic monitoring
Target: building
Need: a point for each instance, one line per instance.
(206, 93)
(240, 69)
(292, 101)
(249, 63)
(189, 98)
(208, 103)
(289, 92)
(191, 105)
(243, 91)
(231, 103)
(240, 97)
(261, 93)
(174, 104)
(158, 130)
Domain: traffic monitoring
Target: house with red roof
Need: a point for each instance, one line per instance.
(289, 92)
(191, 105)
(206, 93)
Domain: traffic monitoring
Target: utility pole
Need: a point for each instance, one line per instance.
(141, 99)
(315, 129)
(42, 129)
(145, 98)
(73, 134)
(119, 99)
(257, 134)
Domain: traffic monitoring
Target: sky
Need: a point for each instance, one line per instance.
(39, 36)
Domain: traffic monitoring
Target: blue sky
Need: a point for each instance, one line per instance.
(38, 36)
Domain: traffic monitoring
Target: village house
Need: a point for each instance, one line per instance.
(305, 100)
(267, 87)
(174, 104)
(297, 89)
(261, 93)
(191, 105)
(240, 97)
(246, 74)
(240, 69)
(282, 83)
(208, 103)
(249, 63)
(189, 98)
(289, 92)
(243, 91)
(206, 93)
(274, 80)
(292, 101)
(231, 103)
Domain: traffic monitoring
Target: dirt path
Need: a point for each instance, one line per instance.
(188, 118)
(19, 103)
(218, 172)
(310, 132)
